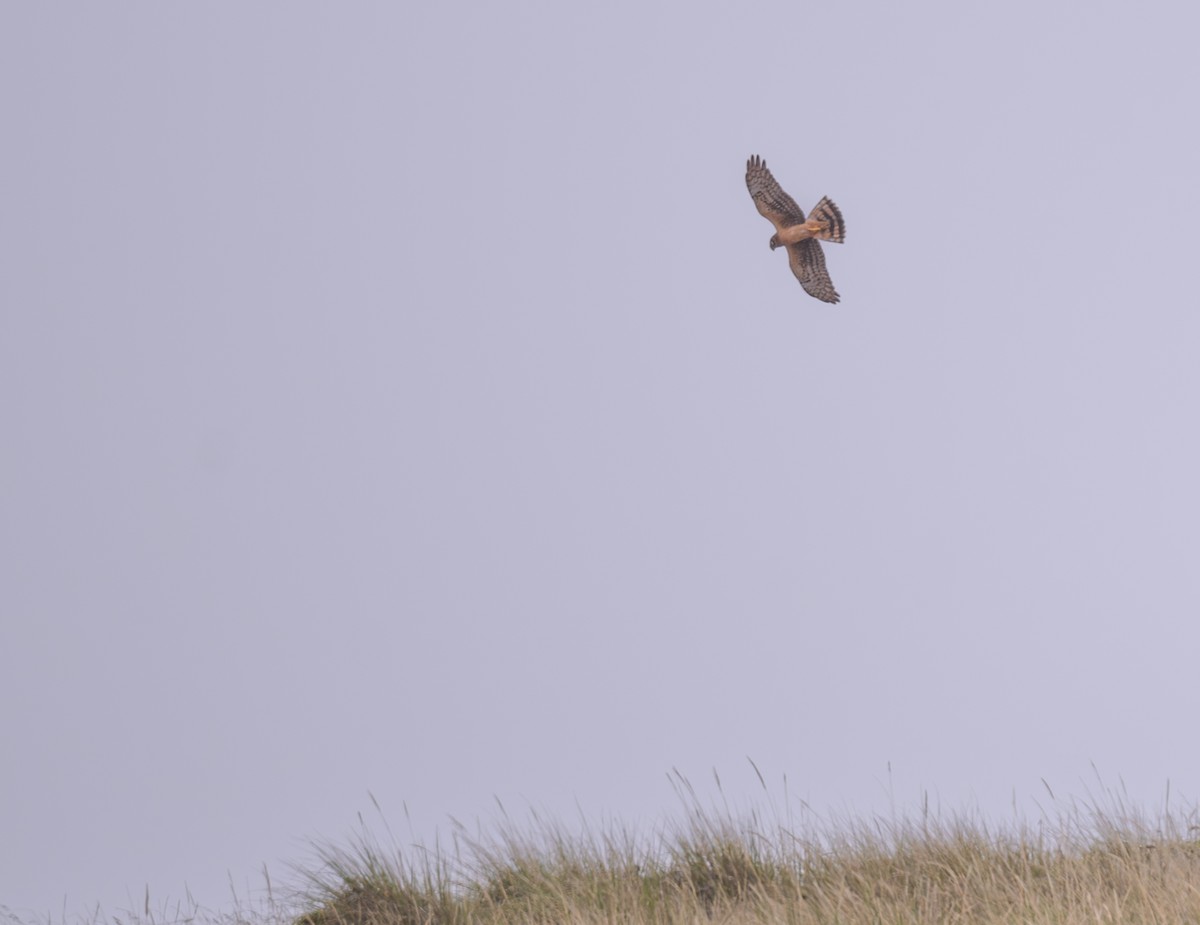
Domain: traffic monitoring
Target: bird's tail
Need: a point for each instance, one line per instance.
(826, 221)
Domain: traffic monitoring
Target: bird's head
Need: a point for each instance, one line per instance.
(774, 242)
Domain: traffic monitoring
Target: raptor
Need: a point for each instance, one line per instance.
(802, 237)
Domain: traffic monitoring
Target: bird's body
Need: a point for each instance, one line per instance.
(802, 237)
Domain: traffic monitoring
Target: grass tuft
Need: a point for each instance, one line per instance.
(1085, 864)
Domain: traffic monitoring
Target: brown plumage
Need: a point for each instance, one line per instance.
(801, 237)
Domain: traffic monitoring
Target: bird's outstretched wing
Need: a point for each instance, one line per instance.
(772, 202)
(807, 261)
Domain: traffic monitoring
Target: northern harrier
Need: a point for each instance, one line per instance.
(802, 238)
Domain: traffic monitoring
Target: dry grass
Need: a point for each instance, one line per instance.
(1082, 865)
(1085, 866)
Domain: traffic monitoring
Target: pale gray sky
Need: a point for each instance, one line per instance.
(402, 398)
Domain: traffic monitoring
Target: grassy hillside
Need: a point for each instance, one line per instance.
(1086, 865)
(1081, 865)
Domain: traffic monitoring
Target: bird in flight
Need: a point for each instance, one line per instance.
(801, 238)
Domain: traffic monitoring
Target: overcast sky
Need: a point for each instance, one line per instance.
(402, 399)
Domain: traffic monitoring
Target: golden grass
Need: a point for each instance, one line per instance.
(1083, 865)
